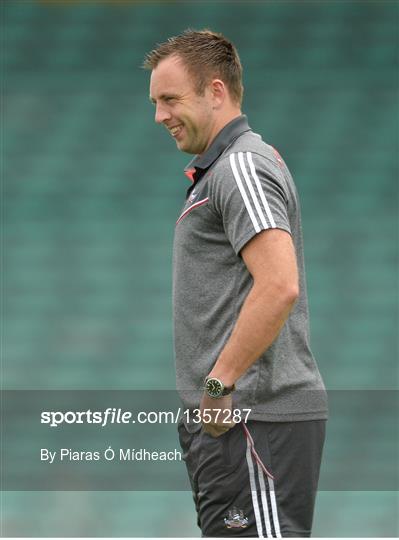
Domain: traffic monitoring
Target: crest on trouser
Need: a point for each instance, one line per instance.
(236, 519)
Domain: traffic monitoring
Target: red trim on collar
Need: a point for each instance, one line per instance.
(190, 174)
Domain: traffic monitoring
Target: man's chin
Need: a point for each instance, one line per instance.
(184, 148)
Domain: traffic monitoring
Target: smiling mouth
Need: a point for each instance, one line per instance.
(175, 130)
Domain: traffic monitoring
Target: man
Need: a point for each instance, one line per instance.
(240, 305)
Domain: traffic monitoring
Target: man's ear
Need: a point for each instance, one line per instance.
(218, 90)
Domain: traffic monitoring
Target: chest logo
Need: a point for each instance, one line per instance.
(193, 196)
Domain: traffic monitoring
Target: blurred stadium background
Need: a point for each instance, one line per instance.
(92, 188)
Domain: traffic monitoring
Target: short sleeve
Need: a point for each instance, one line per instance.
(249, 197)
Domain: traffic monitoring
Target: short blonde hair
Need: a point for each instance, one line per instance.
(206, 55)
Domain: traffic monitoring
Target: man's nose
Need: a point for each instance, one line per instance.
(161, 114)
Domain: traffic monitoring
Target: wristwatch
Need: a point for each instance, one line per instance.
(216, 389)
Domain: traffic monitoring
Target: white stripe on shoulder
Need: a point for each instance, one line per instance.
(252, 482)
(252, 191)
(260, 190)
(243, 193)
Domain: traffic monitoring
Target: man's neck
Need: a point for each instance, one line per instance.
(222, 121)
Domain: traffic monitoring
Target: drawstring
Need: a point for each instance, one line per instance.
(254, 452)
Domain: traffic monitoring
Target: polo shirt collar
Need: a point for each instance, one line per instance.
(223, 139)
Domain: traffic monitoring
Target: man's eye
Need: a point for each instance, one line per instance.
(169, 99)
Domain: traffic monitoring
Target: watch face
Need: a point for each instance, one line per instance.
(214, 387)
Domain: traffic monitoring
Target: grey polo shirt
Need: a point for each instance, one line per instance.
(240, 186)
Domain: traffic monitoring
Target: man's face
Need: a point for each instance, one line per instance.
(188, 117)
